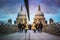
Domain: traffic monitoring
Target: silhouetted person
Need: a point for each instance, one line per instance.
(20, 26)
(29, 26)
(23, 26)
(36, 26)
(26, 27)
(40, 26)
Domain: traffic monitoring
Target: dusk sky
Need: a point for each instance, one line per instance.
(10, 9)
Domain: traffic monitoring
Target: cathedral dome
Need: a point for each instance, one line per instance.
(22, 13)
(39, 13)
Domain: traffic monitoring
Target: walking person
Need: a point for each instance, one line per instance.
(26, 27)
(20, 27)
(40, 26)
(23, 26)
(33, 27)
(36, 26)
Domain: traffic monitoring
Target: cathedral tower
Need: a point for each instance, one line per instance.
(39, 16)
(21, 17)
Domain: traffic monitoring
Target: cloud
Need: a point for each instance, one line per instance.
(50, 6)
(10, 2)
(51, 2)
(49, 9)
(47, 6)
(13, 6)
(34, 2)
(10, 6)
(10, 10)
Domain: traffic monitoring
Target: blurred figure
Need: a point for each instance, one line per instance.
(29, 26)
(20, 26)
(33, 27)
(26, 27)
(36, 26)
(40, 26)
(23, 26)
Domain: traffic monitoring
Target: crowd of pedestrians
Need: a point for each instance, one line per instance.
(26, 27)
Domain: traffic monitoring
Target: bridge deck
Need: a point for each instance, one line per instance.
(30, 36)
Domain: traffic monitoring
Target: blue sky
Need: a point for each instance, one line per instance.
(10, 9)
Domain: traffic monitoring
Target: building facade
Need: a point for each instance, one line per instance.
(21, 17)
(39, 16)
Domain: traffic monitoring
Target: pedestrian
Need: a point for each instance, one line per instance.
(23, 26)
(20, 26)
(40, 26)
(26, 27)
(36, 26)
(33, 27)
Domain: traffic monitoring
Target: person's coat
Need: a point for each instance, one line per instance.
(19, 25)
(40, 25)
(33, 27)
(26, 26)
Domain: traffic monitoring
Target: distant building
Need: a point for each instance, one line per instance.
(10, 21)
(14, 22)
(45, 22)
(21, 17)
(39, 16)
(51, 21)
